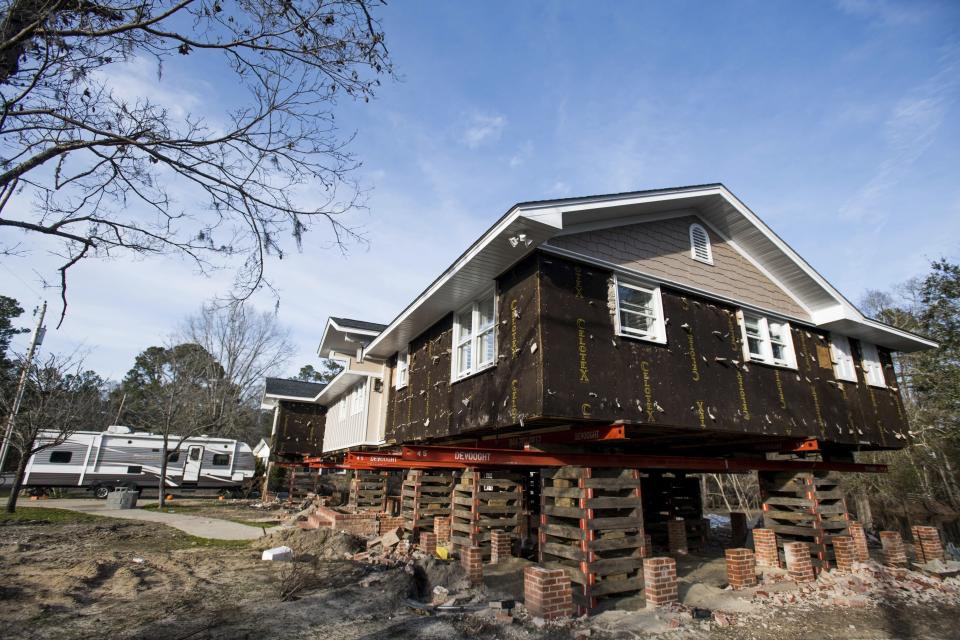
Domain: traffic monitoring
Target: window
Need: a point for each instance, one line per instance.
(173, 457)
(61, 457)
(842, 358)
(195, 453)
(700, 249)
(134, 469)
(357, 397)
(639, 311)
(474, 337)
(403, 367)
(872, 369)
(221, 459)
(766, 340)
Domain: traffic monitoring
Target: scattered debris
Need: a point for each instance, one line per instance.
(277, 554)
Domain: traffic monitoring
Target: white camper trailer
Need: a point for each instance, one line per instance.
(122, 457)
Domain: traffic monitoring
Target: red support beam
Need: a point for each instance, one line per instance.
(471, 456)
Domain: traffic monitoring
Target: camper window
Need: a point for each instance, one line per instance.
(221, 459)
(60, 457)
(134, 469)
(174, 457)
(195, 453)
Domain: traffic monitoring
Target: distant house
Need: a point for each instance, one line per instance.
(298, 420)
(262, 451)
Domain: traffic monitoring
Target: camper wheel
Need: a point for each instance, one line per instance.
(101, 491)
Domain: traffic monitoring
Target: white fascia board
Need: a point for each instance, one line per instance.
(345, 330)
(333, 390)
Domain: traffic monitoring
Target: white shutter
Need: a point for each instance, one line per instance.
(872, 369)
(842, 357)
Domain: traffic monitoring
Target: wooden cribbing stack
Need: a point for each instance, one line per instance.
(425, 494)
(591, 525)
(804, 507)
(484, 501)
(368, 491)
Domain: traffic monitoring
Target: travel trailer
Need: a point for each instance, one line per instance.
(122, 457)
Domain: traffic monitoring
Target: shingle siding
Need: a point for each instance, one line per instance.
(662, 249)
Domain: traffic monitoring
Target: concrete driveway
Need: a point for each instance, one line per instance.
(200, 526)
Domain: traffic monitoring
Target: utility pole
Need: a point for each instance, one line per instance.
(21, 387)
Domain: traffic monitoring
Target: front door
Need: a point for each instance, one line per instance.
(191, 468)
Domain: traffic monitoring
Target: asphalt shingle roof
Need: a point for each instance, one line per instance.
(359, 324)
(293, 388)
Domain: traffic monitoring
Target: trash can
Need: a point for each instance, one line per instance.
(122, 498)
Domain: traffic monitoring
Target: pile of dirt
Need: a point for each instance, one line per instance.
(320, 543)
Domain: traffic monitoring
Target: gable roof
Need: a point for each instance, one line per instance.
(347, 335)
(362, 325)
(528, 226)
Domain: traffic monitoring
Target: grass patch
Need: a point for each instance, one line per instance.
(45, 514)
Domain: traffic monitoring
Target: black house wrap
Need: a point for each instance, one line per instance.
(560, 362)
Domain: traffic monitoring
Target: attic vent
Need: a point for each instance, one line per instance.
(700, 244)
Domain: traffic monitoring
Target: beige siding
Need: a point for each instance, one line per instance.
(662, 249)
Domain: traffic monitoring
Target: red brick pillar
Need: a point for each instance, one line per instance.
(501, 546)
(441, 527)
(428, 542)
(471, 558)
(894, 555)
(741, 568)
(861, 552)
(677, 536)
(844, 552)
(926, 544)
(659, 581)
(547, 592)
(799, 565)
(765, 545)
(738, 529)
(646, 549)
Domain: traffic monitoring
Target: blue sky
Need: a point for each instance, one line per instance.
(836, 122)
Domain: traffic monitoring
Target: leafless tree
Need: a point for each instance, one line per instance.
(98, 168)
(249, 345)
(61, 397)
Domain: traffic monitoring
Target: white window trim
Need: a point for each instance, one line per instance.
(693, 245)
(474, 308)
(659, 334)
(765, 341)
(842, 356)
(871, 365)
(403, 373)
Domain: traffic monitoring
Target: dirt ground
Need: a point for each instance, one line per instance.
(75, 576)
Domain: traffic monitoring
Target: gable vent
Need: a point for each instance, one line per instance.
(700, 244)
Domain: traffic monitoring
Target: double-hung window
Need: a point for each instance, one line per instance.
(639, 311)
(870, 361)
(403, 368)
(842, 356)
(767, 340)
(474, 337)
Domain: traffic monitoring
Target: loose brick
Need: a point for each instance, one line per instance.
(765, 546)
(799, 565)
(660, 581)
(741, 568)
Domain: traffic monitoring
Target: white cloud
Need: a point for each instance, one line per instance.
(482, 128)
(559, 188)
(522, 155)
(910, 129)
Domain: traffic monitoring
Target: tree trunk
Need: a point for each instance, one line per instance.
(17, 483)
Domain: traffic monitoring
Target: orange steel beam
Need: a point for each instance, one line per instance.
(453, 457)
(568, 436)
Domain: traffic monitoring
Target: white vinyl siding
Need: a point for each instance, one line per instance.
(872, 369)
(403, 368)
(358, 397)
(767, 340)
(639, 311)
(842, 356)
(700, 248)
(474, 337)
(346, 424)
